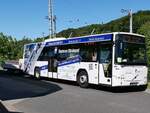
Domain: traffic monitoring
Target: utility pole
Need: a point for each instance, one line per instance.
(54, 20)
(131, 18)
(131, 21)
(50, 18)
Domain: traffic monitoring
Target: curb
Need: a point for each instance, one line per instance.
(7, 107)
(3, 109)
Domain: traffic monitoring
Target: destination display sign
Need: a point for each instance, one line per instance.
(132, 39)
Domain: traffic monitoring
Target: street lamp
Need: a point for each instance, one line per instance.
(129, 11)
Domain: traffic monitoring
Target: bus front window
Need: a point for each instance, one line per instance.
(130, 51)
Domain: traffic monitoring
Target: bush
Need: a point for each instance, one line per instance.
(1, 63)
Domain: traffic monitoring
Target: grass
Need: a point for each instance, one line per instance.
(149, 85)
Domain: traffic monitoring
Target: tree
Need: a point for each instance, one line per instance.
(145, 30)
(10, 48)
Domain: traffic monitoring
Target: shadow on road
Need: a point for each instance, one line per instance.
(4, 110)
(19, 87)
(127, 89)
(103, 88)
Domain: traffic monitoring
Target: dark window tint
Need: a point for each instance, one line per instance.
(46, 54)
(88, 53)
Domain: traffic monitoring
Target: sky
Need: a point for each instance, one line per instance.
(26, 18)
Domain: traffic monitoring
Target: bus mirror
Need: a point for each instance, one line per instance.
(119, 59)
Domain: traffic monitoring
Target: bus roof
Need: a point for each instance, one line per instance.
(85, 39)
(54, 39)
(127, 33)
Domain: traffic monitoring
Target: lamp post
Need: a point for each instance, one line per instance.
(129, 11)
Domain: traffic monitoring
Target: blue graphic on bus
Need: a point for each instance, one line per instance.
(96, 38)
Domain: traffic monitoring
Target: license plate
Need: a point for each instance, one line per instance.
(134, 83)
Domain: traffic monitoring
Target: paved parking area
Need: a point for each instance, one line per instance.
(27, 95)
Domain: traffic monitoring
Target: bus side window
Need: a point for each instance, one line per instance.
(46, 54)
(73, 52)
(62, 54)
(85, 55)
(88, 55)
(94, 56)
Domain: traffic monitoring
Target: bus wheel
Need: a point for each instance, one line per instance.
(37, 73)
(82, 79)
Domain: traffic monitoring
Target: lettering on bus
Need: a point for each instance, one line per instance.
(68, 51)
(96, 38)
(54, 43)
(74, 41)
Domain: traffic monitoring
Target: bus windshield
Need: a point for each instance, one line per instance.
(130, 50)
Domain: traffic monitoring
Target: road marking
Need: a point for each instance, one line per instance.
(15, 101)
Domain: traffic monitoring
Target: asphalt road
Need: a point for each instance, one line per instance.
(26, 95)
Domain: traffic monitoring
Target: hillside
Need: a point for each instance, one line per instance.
(121, 24)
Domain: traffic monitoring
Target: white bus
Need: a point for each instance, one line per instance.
(112, 59)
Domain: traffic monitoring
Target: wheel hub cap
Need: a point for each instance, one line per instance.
(83, 79)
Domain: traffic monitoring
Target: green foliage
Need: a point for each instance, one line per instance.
(10, 48)
(20, 46)
(149, 85)
(145, 30)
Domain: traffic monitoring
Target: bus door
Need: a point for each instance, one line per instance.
(105, 64)
(52, 64)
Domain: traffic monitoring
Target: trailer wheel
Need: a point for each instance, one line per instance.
(37, 73)
(82, 79)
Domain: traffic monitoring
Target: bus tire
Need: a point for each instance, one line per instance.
(82, 79)
(37, 73)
